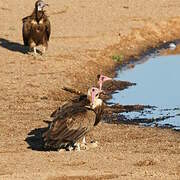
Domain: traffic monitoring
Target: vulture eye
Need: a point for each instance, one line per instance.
(93, 90)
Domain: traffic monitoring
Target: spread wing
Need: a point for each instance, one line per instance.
(68, 127)
(26, 29)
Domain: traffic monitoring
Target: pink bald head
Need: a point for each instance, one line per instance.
(94, 92)
(101, 80)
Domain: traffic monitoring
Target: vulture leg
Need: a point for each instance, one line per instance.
(35, 50)
(33, 47)
(44, 50)
(84, 140)
(84, 145)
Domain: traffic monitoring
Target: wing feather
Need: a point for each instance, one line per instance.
(26, 29)
(77, 100)
(99, 112)
(48, 28)
(70, 128)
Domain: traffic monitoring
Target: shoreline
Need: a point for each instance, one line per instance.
(142, 44)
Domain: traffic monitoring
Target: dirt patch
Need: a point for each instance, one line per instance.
(145, 163)
(108, 176)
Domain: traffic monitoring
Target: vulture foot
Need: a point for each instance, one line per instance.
(43, 50)
(84, 140)
(31, 53)
(62, 150)
(69, 148)
(84, 146)
(77, 147)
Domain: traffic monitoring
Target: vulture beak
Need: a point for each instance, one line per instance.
(102, 79)
(40, 5)
(105, 78)
(46, 5)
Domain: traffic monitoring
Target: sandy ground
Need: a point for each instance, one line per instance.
(85, 34)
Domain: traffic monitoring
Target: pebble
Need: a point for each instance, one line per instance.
(172, 46)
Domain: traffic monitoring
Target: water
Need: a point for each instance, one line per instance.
(157, 85)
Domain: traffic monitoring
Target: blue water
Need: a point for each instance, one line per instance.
(158, 85)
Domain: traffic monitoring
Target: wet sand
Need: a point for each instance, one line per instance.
(85, 36)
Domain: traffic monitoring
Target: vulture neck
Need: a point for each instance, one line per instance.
(38, 15)
(98, 109)
(97, 103)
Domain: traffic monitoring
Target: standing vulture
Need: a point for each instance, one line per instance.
(36, 28)
(73, 121)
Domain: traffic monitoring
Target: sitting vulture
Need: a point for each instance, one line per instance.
(73, 121)
(36, 28)
(108, 85)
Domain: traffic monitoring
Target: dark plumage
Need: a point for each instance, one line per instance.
(36, 28)
(73, 120)
(79, 99)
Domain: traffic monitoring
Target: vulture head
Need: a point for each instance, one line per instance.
(101, 80)
(93, 96)
(39, 5)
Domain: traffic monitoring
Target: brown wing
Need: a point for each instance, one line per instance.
(99, 113)
(47, 27)
(67, 104)
(77, 100)
(69, 127)
(26, 29)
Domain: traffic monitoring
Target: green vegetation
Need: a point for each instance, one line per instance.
(118, 58)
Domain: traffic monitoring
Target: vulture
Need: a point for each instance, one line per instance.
(36, 28)
(73, 120)
(108, 85)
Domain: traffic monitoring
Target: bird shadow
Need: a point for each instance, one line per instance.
(34, 138)
(13, 46)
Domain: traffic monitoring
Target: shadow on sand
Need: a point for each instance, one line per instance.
(13, 46)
